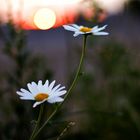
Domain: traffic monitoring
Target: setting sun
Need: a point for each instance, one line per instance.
(44, 18)
(41, 14)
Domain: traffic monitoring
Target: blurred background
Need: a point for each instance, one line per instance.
(105, 105)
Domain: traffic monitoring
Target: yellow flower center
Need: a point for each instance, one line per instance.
(41, 96)
(85, 29)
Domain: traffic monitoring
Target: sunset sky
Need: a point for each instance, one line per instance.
(44, 14)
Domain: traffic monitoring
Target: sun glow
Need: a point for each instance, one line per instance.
(44, 14)
(44, 18)
(60, 2)
(39, 14)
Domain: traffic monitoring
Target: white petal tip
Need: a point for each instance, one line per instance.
(101, 33)
(75, 35)
(17, 92)
(34, 105)
(40, 81)
(105, 34)
(22, 98)
(64, 92)
(61, 100)
(65, 26)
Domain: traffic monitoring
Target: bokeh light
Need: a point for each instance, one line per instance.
(44, 18)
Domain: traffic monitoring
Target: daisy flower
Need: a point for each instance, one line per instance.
(41, 93)
(85, 30)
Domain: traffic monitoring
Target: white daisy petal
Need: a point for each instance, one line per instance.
(99, 29)
(24, 94)
(34, 84)
(32, 88)
(25, 91)
(76, 34)
(40, 85)
(55, 88)
(70, 28)
(51, 85)
(26, 98)
(41, 93)
(60, 93)
(60, 89)
(46, 84)
(20, 93)
(101, 33)
(95, 27)
(76, 26)
(85, 30)
(36, 104)
(55, 99)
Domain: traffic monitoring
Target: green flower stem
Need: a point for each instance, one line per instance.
(79, 68)
(70, 89)
(38, 121)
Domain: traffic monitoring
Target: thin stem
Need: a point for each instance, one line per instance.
(70, 89)
(79, 68)
(38, 122)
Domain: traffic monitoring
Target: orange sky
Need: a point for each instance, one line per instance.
(23, 12)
